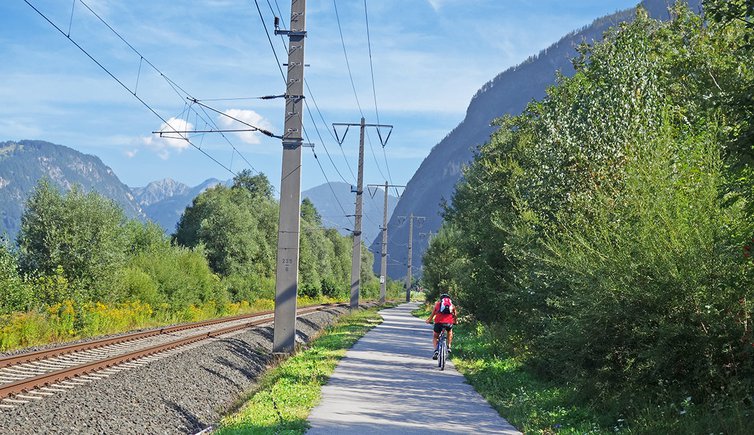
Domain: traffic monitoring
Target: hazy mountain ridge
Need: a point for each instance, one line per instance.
(165, 200)
(24, 163)
(332, 214)
(157, 191)
(508, 93)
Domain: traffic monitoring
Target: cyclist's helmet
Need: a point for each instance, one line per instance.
(444, 295)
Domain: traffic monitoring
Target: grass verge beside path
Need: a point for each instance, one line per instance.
(537, 406)
(286, 394)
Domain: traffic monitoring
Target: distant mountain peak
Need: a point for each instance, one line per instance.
(165, 200)
(159, 190)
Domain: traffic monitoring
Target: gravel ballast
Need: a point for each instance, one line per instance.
(180, 393)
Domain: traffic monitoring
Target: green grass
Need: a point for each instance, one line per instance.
(530, 404)
(286, 394)
(537, 406)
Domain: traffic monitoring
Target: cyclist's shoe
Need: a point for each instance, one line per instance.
(436, 354)
(449, 349)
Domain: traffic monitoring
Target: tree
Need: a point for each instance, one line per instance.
(236, 228)
(602, 229)
(258, 185)
(15, 294)
(731, 10)
(78, 232)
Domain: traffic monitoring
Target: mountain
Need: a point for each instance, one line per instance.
(165, 200)
(508, 93)
(157, 191)
(335, 200)
(24, 163)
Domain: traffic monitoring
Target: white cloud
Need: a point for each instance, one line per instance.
(438, 4)
(169, 140)
(249, 117)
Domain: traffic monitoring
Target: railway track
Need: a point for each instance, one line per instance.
(35, 375)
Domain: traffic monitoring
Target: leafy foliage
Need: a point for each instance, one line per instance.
(237, 228)
(600, 233)
(76, 233)
(15, 295)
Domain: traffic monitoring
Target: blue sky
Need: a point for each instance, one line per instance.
(429, 58)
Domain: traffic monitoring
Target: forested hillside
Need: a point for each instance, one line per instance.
(604, 236)
(24, 163)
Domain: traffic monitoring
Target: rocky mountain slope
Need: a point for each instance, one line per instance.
(165, 200)
(24, 163)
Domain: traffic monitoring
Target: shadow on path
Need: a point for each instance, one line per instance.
(388, 383)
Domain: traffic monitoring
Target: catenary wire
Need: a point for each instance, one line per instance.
(374, 87)
(353, 86)
(183, 93)
(277, 59)
(311, 96)
(108, 72)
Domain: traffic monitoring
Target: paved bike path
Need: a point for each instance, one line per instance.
(389, 384)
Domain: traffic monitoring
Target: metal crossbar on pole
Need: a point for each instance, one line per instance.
(289, 221)
(356, 254)
(383, 262)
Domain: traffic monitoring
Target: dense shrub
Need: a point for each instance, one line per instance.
(181, 275)
(15, 294)
(77, 233)
(602, 234)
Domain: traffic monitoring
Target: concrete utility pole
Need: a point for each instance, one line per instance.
(383, 262)
(410, 252)
(410, 256)
(356, 256)
(286, 275)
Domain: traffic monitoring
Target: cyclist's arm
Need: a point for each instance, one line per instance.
(431, 316)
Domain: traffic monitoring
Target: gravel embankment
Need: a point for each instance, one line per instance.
(181, 393)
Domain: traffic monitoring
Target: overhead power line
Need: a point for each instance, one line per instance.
(374, 87)
(306, 105)
(120, 82)
(353, 86)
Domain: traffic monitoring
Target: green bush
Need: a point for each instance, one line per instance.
(133, 284)
(249, 287)
(182, 276)
(15, 295)
(604, 234)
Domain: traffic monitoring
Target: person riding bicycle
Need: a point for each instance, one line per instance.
(445, 315)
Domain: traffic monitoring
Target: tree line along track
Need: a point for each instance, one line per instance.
(24, 373)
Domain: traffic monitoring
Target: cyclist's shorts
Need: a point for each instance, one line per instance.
(439, 327)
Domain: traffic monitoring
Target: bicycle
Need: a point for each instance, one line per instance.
(442, 349)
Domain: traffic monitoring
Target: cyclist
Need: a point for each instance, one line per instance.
(443, 320)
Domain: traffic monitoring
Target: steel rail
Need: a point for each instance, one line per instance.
(62, 350)
(25, 385)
